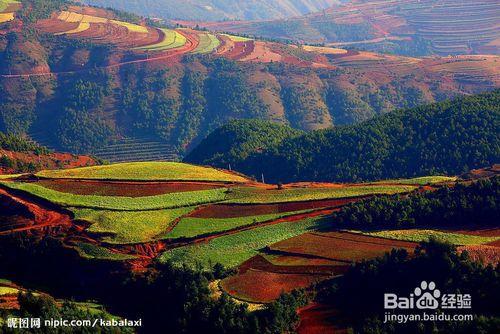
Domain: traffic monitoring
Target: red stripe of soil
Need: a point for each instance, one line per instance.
(263, 287)
(234, 211)
(129, 189)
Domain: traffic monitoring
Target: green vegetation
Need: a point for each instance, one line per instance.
(356, 295)
(444, 138)
(233, 249)
(208, 43)
(472, 205)
(5, 3)
(240, 139)
(43, 307)
(145, 171)
(91, 251)
(129, 227)
(418, 235)
(424, 180)
(4, 290)
(16, 143)
(235, 38)
(248, 195)
(166, 201)
(190, 227)
(173, 39)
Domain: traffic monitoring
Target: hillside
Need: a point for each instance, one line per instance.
(21, 155)
(412, 27)
(213, 10)
(449, 137)
(124, 89)
(167, 235)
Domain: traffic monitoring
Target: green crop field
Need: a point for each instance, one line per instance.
(235, 38)
(90, 251)
(165, 201)
(173, 39)
(231, 250)
(417, 235)
(422, 180)
(5, 3)
(145, 171)
(129, 227)
(190, 227)
(208, 43)
(248, 195)
(9, 176)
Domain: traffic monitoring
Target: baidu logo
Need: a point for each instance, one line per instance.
(427, 297)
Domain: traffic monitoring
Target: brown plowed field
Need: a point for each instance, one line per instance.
(258, 262)
(55, 26)
(233, 211)
(127, 189)
(339, 246)
(263, 287)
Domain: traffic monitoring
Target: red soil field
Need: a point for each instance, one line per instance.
(48, 161)
(126, 189)
(339, 246)
(54, 26)
(318, 319)
(40, 216)
(258, 262)
(263, 287)
(487, 254)
(233, 211)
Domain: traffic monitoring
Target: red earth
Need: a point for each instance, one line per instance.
(126, 189)
(233, 211)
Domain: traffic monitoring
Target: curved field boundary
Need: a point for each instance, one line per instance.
(191, 45)
(237, 38)
(131, 27)
(208, 43)
(172, 39)
(6, 17)
(82, 26)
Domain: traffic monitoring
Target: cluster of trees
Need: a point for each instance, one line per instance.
(167, 298)
(16, 143)
(358, 295)
(450, 137)
(44, 307)
(34, 10)
(472, 205)
(80, 125)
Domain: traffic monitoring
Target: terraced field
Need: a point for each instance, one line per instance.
(449, 26)
(8, 9)
(133, 213)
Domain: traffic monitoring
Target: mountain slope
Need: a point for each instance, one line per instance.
(211, 10)
(449, 137)
(123, 90)
(412, 27)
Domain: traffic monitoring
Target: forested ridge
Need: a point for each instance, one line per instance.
(450, 137)
(471, 206)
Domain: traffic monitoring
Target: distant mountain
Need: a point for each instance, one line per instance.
(215, 10)
(88, 80)
(407, 27)
(449, 137)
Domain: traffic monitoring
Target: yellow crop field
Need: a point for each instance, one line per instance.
(6, 17)
(76, 17)
(237, 38)
(131, 27)
(82, 26)
(324, 50)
